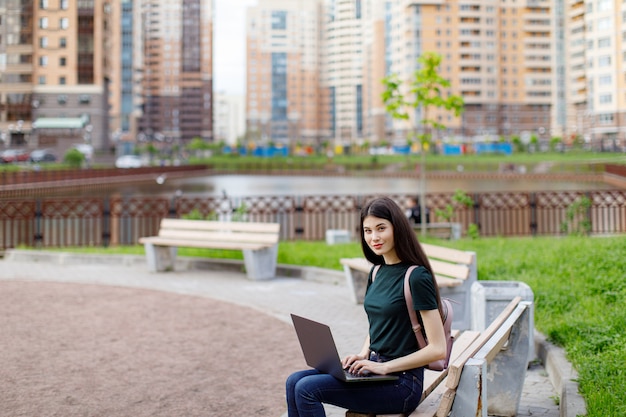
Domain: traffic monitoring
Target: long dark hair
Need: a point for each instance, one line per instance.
(405, 240)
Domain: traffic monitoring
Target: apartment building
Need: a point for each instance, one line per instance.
(284, 101)
(123, 48)
(16, 73)
(596, 86)
(70, 73)
(177, 71)
(230, 118)
(342, 70)
(54, 86)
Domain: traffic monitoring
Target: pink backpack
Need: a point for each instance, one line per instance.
(422, 341)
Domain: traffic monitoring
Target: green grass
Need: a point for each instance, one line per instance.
(579, 285)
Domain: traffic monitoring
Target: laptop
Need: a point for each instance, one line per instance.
(320, 351)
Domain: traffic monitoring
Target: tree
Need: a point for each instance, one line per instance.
(426, 91)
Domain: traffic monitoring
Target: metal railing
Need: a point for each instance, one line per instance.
(103, 221)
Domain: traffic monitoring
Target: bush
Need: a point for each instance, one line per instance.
(74, 158)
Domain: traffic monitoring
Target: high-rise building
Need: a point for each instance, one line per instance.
(497, 56)
(16, 72)
(595, 82)
(123, 47)
(230, 117)
(54, 86)
(284, 101)
(177, 70)
(343, 69)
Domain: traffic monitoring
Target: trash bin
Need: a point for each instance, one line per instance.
(490, 298)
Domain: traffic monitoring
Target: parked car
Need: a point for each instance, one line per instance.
(14, 155)
(128, 161)
(42, 155)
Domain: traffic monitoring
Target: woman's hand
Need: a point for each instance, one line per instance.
(364, 367)
(348, 361)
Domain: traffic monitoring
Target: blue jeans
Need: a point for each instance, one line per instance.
(307, 390)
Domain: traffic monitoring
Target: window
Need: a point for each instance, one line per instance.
(43, 61)
(43, 23)
(43, 4)
(84, 99)
(61, 98)
(605, 80)
(42, 80)
(64, 4)
(63, 43)
(62, 81)
(604, 42)
(64, 23)
(604, 61)
(43, 42)
(605, 23)
(606, 118)
(605, 98)
(62, 61)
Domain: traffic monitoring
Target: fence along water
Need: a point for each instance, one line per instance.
(80, 221)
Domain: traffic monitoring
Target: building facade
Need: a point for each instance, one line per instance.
(55, 76)
(229, 118)
(498, 56)
(284, 101)
(177, 71)
(595, 99)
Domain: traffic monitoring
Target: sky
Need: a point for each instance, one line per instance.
(229, 60)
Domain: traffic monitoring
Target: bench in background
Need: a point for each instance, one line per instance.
(258, 241)
(455, 271)
(486, 373)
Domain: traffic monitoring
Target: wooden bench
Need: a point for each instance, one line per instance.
(258, 241)
(455, 271)
(486, 373)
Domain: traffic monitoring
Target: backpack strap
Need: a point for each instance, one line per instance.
(415, 323)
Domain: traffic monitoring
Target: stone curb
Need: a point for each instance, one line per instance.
(561, 373)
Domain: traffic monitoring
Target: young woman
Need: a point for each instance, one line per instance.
(388, 240)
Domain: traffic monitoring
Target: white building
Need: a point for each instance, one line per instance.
(229, 117)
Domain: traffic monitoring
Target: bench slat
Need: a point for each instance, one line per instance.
(160, 241)
(450, 270)
(362, 264)
(451, 255)
(185, 224)
(461, 342)
(455, 368)
(205, 236)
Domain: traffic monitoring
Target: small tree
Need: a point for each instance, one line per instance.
(427, 91)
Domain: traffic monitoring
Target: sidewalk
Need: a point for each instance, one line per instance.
(326, 300)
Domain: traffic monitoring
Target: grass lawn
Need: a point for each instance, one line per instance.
(579, 285)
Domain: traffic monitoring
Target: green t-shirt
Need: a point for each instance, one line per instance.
(391, 333)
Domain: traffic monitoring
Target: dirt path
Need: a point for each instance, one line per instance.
(86, 350)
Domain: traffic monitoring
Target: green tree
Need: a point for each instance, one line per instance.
(427, 91)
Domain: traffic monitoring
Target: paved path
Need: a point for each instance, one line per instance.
(327, 302)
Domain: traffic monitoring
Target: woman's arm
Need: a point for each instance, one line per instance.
(436, 349)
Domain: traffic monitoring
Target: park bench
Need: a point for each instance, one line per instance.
(455, 272)
(258, 241)
(486, 372)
